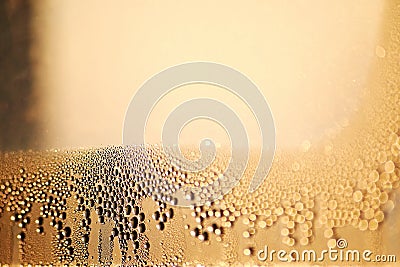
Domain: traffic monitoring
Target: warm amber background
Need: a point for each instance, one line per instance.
(310, 59)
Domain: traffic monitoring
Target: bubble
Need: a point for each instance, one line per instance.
(379, 216)
(246, 234)
(291, 211)
(332, 204)
(323, 219)
(328, 233)
(358, 164)
(291, 242)
(285, 219)
(382, 157)
(262, 224)
(331, 243)
(309, 215)
(285, 240)
(218, 231)
(295, 166)
(369, 214)
(384, 178)
(252, 231)
(308, 233)
(310, 204)
(304, 227)
(285, 232)
(279, 211)
(389, 206)
(357, 196)
(373, 224)
(383, 198)
(304, 241)
(380, 51)
(363, 225)
(247, 252)
(395, 149)
(21, 236)
(389, 167)
(203, 236)
(375, 203)
(371, 187)
(374, 176)
(269, 221)
(299, 206)
(299, 218)
(305, 146)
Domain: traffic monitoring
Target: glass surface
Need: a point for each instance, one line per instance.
(71, 193)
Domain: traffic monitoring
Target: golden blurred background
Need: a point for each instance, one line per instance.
(70, 68)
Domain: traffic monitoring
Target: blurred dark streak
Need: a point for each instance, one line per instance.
(19, 114)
